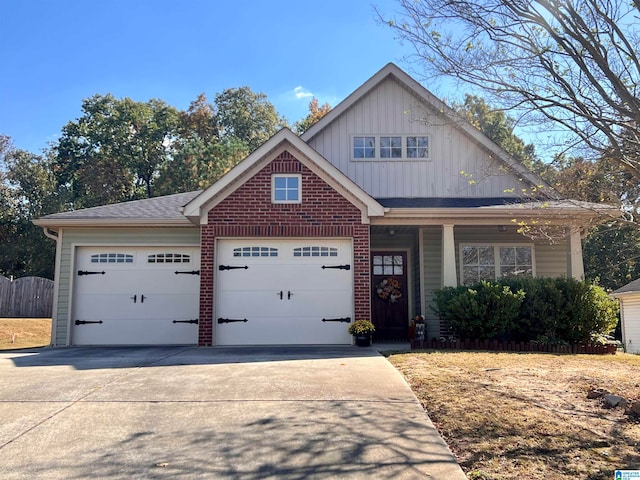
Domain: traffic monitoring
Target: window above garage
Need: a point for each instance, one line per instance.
(286, 188)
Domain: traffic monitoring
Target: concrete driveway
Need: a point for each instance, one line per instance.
(187, 412)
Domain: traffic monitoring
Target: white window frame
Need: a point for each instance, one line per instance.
(378, 147)
(496, 257)
(286, 175)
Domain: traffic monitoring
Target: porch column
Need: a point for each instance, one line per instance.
(449, 277)
(576, 265)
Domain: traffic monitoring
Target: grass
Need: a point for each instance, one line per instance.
(509, 415)
(24, 332)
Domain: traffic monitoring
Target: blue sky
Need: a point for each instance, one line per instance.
(55, 53)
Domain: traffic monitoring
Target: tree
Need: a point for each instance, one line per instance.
(498, 126)
(315, 113)
(114, 151)
(247, 116)
(201, 155)
(27, 190)
(568, 66)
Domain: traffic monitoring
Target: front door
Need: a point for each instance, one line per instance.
(389, 303)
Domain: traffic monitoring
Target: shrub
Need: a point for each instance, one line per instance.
(555, 310)
(486, 310)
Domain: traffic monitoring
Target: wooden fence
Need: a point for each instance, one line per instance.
(27, 297)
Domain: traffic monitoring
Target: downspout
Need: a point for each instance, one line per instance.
(55, 236)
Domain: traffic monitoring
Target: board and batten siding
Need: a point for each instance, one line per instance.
(551, 260)
(432, 281)
(391, 109)
(106, 237)
(630, 313)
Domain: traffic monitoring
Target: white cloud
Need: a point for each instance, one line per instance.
(301, 93)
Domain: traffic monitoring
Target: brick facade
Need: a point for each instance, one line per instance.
(249, 212)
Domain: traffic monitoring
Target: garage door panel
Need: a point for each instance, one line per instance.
(134, 332)
(309, 292)
(241, 303)
(268, 331)
(138, 297)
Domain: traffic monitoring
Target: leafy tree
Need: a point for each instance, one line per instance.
(27, 190)
(570, 67)
(114, 150)
(315, 113)
(247, 116)
(611, 251)
(200, 156)
(499, 127)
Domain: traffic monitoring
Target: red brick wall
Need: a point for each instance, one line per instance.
(248, 212)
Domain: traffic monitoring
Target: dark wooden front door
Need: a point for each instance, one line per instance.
(389, 301)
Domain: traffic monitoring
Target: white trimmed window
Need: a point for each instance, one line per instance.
(492, 262)
(286, 188)
(389, 147)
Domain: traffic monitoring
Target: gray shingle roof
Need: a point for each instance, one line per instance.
(166, 208)
(629, 287)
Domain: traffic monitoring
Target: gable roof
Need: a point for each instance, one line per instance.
(196, 210)
(393, 71)
(166, 210)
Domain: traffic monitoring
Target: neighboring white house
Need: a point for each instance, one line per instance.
(387, 198)
(629, 298)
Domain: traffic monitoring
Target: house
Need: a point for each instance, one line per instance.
(387, 198)
(629, 298)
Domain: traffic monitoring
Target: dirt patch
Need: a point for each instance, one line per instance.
(509, 415)
(24, 332)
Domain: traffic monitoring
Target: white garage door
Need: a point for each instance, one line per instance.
(283, 292)
(136, 296)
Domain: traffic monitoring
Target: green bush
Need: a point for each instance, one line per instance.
(555, 310)
(486, 310)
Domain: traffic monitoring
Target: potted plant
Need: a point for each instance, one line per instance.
(362, 331)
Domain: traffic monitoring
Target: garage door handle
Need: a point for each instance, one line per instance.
(341, 320)
(280, 294)
(134, 298)
(195, 320)
(289, 295)
(232, 320)
(231, 267)
(190, 272)
(86, 322)
(142, 297)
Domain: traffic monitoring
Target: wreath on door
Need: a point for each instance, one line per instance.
(389, 290)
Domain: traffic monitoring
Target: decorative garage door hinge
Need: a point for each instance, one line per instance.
(339, 267)
(232, 320)
(341, 320)
(231, 267)
(87, 322)
(191, 272)
(86, 272)
(194, 320)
